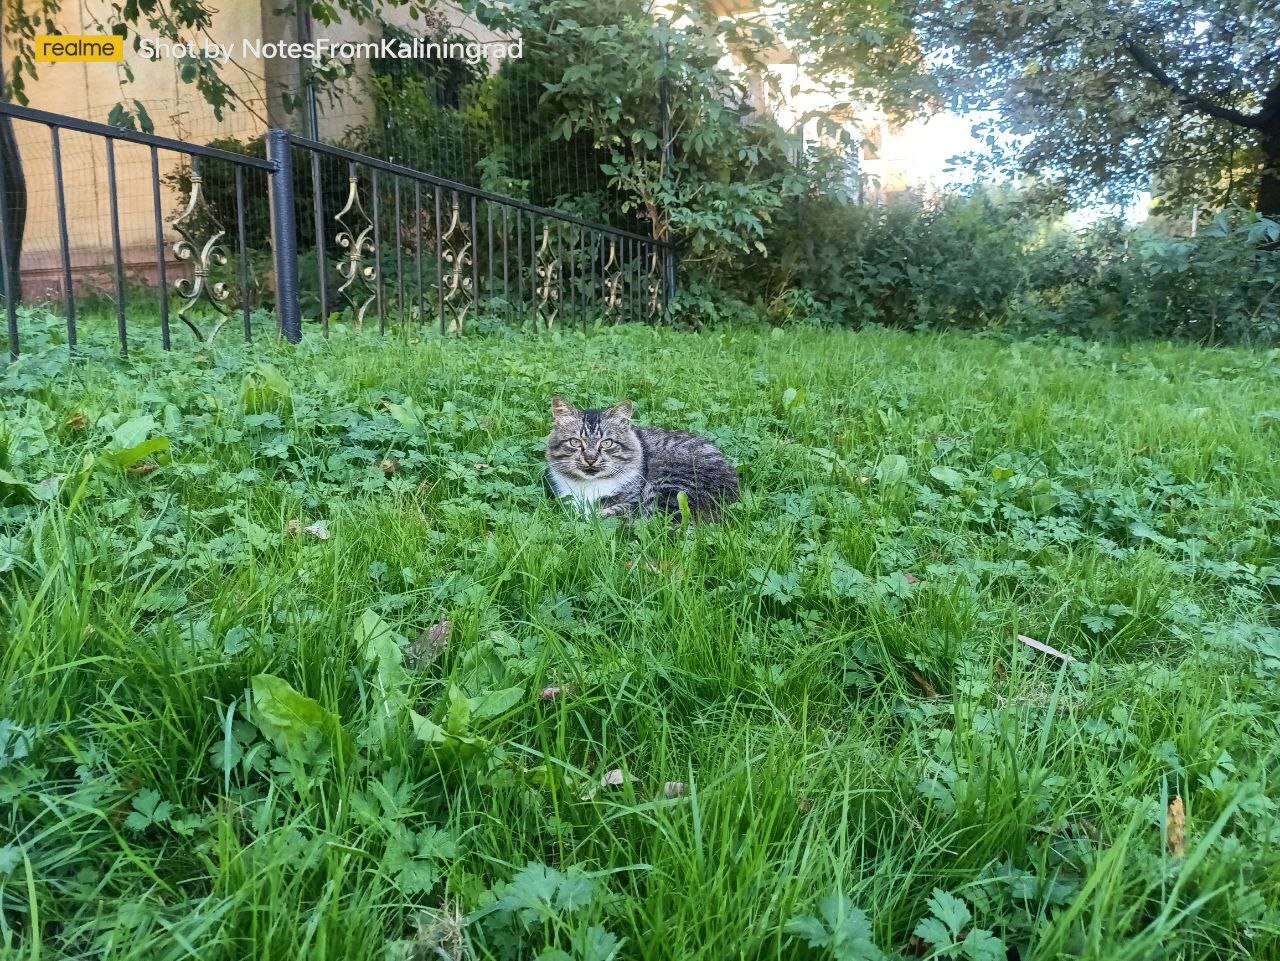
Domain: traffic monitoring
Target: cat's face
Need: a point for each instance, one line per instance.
(592, 444)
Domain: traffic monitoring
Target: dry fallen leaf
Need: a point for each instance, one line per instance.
(142, 469)
(1175, 827)
(77, 421)
(430, 643)
(319, 529)
(923, 682)
(388, 465)
(673, 789)
(613, 778)
(1032, 643)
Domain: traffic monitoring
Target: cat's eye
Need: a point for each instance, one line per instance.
(575, 443)
(606, 444)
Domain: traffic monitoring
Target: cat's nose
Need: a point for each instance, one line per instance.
(589, 461)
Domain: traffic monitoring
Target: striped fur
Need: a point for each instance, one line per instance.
(601, 461)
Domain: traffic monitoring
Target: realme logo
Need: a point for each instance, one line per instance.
(69, 49)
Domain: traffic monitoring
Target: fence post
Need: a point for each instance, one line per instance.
(284, 234)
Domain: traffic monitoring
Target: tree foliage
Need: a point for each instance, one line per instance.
(721, 171)
(1109, 95)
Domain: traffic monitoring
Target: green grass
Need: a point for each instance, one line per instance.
(860, 748)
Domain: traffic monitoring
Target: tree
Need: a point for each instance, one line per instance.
(601, 67)
(1108, 96)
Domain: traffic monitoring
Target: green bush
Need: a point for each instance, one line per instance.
(1220, 287)
(997, 259)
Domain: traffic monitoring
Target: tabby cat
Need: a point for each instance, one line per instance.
(603, 462)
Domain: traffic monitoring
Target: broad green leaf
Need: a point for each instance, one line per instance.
(1043, 503)
(457, 718)
(132, 433)
(128, 456)
(425, 729)
(948, 477)
(892, 470)
(286, 716)
(12, 489)
(10, 552)
(408, 415)
(495, 702)
(376, 640)
(265, 390)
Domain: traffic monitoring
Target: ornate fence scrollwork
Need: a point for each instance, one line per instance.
(548, 281)
(611, 280)
(359, 231)
(455, 252)
(194, 223)
(355, 238)
(653, 286)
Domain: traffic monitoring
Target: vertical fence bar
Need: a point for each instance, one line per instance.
(317, 212)
(475, 258)
(9, 273)
(672, 263)
(377, 249)
(113, 206)
(603, 287)
(625, 297)
(399, 254)
(506, 280)
(242, 248)
(417, 245)
(284, 233)
(534, 296)
(64, 243)
(636, 271)
(161, 270)
(519, 263)
(586, 266)
(576, 290)
(439, 267)
(488, 212)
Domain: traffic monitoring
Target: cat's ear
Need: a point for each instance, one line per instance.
(620, 411)
(561, 408)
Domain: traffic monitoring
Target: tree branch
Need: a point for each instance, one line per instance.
(1193, 100)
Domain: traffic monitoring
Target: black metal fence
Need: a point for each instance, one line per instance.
(311, 234)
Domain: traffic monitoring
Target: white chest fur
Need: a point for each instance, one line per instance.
(586, 494)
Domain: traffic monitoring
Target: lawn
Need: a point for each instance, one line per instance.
(299, 661)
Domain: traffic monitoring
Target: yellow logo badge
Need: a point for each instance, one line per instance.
(66, 48)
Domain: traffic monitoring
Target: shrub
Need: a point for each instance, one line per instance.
(997, 258)
(1220, 287)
